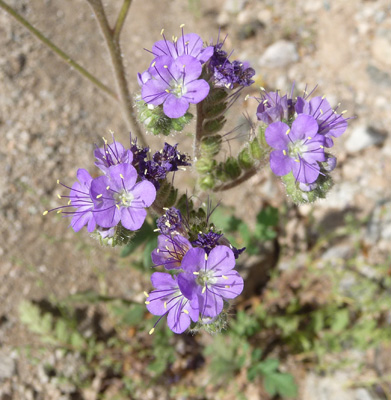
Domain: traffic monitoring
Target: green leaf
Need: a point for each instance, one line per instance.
(280, 383)
(61, 330)
(268, 216)
(268, 366)
(224, 219)
(340, 321)
(149, 247)
(141, 236)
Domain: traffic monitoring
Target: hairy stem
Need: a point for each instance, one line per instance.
(121, 19)
(199, 132)
(229, 185)
(118, 67)
(65, 57)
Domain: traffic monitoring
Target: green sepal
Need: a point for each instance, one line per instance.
(122, 237)
(220, 173)
(211, 145)
(232, 168)
(205, 165)
(207, 182)
(166, 195)
(298, 196)
(214, 125)
(244, 159)
(157, 122)
(214, 110)
(215, 96)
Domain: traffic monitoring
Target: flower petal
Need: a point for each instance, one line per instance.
(133, 218)
(144, 194)
(221, 259)
(175, 107)
(302, 127)
(196, 91)
(229, 287)
(305, 172)
(280, 163)
(177, 320)
(276, 136)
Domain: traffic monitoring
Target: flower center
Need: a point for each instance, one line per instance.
(206, 278)
(124, 198)
(296, 149)
(177, 88)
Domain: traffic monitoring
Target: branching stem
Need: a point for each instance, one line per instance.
(229, 185)
(121, 19)
(65, 57)
(116, 59)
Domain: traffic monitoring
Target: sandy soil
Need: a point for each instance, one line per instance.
(50, 118)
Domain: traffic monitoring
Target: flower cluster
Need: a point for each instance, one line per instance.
(300, 130)
(173, 78)
(227, 74)
(119, 197)
(202, 277)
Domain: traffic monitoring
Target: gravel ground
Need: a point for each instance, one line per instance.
(50, 117)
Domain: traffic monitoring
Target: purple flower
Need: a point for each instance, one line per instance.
(207, 241)
(190, 44)
(210, 279)
(175, 84)
(152, 172)
(330, 163)
(171, 222)
(297, 149)
(168, 300)
(272, 107)
(170, 158)
(226, 74)
(118, 198)
(143, 78)
(170, 251)
(330, 123)
(112, 154)
(79, 198)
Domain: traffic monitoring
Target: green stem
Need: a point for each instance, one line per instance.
(229, 185)
(58, 51)
(119, 72)
(121, 19)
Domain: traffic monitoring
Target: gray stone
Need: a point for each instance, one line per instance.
(379, 76)
(279, 54)
(362, 394)
(364, 136)
(7, 365)
(379, 225)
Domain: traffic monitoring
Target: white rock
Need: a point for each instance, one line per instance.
(381, 46)
(279, 54)
(264, 16)
(362, 137)
(234, 6)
